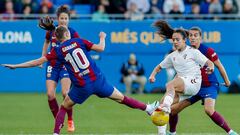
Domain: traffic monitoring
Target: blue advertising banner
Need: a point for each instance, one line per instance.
(23, 40)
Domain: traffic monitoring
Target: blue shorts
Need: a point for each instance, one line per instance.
(99, 87)
(205, 92)
(55, 73)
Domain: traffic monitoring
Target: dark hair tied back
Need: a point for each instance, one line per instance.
(164, 30)
(183, 32)
(63, 9)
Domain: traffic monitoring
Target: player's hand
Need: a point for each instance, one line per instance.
(40, 66)
(226, 84)
(10, 66)
(46, 23)
(152, 79)
(102, 34)
(209, 70)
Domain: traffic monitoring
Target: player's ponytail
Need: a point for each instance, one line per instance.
(164, 30)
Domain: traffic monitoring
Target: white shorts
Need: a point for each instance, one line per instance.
(192, 85)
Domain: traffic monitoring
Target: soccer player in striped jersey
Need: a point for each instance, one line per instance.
(86, 77)
(209, 88)
(55, 71)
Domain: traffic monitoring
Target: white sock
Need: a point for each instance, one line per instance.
(168, 100)
(173, 133)
(230, 131)
(147, 108)
(162, 130)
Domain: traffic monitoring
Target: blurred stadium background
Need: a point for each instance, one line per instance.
(128, 27)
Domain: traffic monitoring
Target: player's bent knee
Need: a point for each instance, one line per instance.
(51, 96)
(64, 94)
(117, 96)
(170, 86)
(174, 112)
(67, 103)
(209, 111)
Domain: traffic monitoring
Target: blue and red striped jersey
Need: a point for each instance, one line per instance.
(208, 79)
(50, 35)
(74, 54)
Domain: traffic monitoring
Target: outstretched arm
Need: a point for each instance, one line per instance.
(157, 69)
(45, 49)
(32, 63)
(223, 72)
(210, 67)
(101, 45)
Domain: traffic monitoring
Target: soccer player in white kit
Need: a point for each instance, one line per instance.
(186, 61)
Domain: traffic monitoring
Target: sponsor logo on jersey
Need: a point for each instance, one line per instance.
(65, 74)
(84, 72)
(185, 56)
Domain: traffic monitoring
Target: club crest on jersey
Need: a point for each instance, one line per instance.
(174, 58)
(54, 44)
(49, 75)
(185, 56)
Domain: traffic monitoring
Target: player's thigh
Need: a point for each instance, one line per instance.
(116, 95)
(65, 84)
(68, 103)
(178, 107)
(191, 85)
(51, 88)
(177, 84)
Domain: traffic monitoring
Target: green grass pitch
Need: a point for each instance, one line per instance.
(29, 114)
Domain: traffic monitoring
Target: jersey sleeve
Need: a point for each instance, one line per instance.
(212, 55)
(52, 54)
(48, 35)
(166, 63)
(88, 44)
(76, 35)
(199, 57)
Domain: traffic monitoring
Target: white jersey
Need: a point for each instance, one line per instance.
(186, 63)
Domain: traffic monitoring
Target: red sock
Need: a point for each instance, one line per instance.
(53, 105)
(173, 120)
(69, 113)
(219, 120)
(60, 120)
(130, 102)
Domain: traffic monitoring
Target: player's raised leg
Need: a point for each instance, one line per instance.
(176, 85)
(133, 103)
